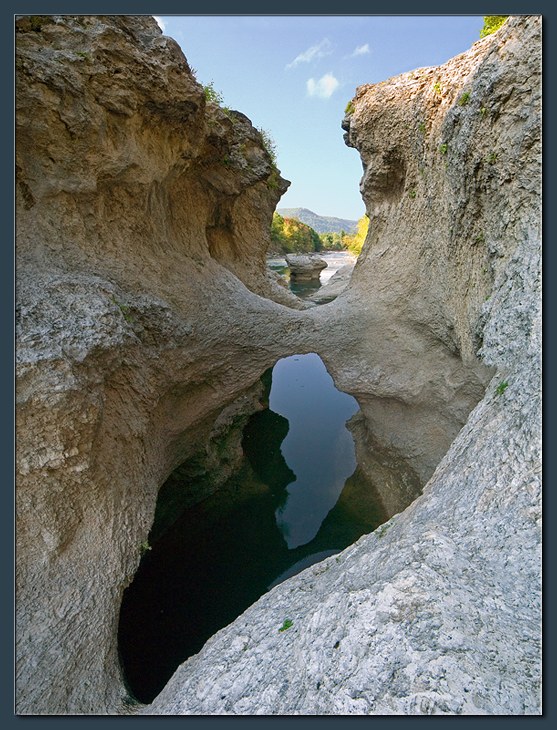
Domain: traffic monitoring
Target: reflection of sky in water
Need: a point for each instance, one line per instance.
(318, 448)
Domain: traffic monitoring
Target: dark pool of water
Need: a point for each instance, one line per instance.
(296, 500)
(304, 289)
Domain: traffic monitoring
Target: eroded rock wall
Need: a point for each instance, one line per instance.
(144, 310)
(437, 611)
(451, 181)
(141, 210)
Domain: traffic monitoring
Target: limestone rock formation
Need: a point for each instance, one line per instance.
(145, 316)
(141, 209)
(305, 267)
(438, 611)
(335, 286)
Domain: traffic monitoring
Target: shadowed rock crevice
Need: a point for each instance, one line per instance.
(384, 180)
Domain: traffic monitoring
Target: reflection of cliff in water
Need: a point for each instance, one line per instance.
(318, 447)
(263, 436)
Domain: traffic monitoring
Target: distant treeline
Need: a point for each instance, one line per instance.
(289, 235)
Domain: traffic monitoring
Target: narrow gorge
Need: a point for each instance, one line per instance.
(147, 318)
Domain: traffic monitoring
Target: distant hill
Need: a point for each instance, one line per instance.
(319, 223)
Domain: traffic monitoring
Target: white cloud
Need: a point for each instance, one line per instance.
(360, 50)
(320, 50)
(160, 22)
(324, 88)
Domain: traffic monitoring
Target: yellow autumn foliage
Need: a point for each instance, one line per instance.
(354, 243)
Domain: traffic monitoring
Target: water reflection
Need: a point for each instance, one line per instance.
(318, 448)
(284, 510)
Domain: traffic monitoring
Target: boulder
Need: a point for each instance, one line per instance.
(306, 267)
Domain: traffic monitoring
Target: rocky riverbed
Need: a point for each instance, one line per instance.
(335, 260)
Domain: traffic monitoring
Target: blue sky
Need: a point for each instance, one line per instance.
(293, 76)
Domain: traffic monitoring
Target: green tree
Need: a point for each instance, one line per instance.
(290, 235)
(316, 241)
(326, 240)
(334, 241)
(491, 24)
(212, 95)
(277, 232)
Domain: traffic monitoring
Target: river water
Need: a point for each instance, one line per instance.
(334, 259)
(318, 447)
(291, 504)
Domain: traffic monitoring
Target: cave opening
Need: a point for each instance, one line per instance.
(296, 497)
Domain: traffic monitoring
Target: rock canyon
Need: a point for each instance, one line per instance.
(146, 317)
